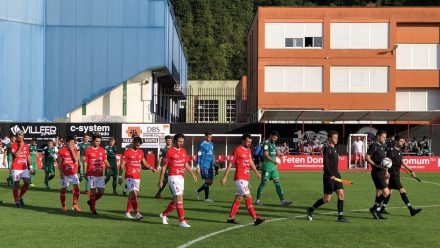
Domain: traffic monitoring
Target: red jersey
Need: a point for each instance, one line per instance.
(20, 162)
(67, 165)
(133, 163)
(242, 158)
(176, 158)
(95, 158)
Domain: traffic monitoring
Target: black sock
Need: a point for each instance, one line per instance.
(378, 203)
(206, 191)
(201, 188)
(385, 201)
(318, 203)
(406, 200)
(340, 208)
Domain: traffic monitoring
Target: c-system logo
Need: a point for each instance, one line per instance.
(103, 130)
(35, 130)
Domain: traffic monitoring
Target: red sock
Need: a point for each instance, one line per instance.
(129, 205)
(134, 203)
(98, 196)
(250, 208)
(15, 192)
(92, 202)
(180, 211)
(76, 193)
(234, 209)
(23, 190)
(63, 197)
(169, 209)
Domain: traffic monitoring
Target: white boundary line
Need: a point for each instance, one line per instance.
(189, 243)
(423, 181)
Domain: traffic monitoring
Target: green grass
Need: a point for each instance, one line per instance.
(42, 224)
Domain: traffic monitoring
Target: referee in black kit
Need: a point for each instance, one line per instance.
(395, 154)
(331, 162)
(375, 154)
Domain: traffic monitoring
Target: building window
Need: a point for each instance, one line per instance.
(293, 79)
(206, 111)
(418, 56)
(359, 35)
(230, 111)
(293, 35)
(359, 79)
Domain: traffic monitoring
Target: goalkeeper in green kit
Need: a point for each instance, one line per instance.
(270, 171)
(111, 151)
(33, 150)
(49, 157)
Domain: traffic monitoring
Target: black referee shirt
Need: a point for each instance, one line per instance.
(377, 153)
(396, 156)
(331, 161)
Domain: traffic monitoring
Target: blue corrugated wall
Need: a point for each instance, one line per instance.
(57, 54)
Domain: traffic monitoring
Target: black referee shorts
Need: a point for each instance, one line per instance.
(394, 182)
(379, 179)
(331, 186)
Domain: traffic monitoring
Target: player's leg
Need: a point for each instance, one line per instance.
(248, 200)
(64, 183)
(329, 188)
(46, 175)
(234, 208)
(35, 167)
(341, 197)
(16, 182)
(52, 171)
(25, 176)
(265, 175)
(208, 183)
(93, 192)
(76, 193)
(159, 191)
(386, 201)
(405, 199)
(107, 175)
(381, 193)
(115, 179)
(277, 181)
(204, 176)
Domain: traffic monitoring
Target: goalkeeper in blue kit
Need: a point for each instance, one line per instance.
(205, 165)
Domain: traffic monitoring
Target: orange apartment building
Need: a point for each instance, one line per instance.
(343, 59)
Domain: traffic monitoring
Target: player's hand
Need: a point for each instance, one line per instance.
(198, 170)
(333, 178)
(154, 170)
(195, 178)
(120, 181)
(160, 184)
(31, 170)
(223, 181)
(413, 175)
(258, 175)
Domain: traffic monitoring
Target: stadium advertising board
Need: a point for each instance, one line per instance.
(421, 163)
(80, 129)
(152, 135)
(42, 132)
(307, 163)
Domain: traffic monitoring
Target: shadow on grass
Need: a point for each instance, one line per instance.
(84, 214)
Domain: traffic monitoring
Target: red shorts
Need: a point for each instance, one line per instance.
(359, 155)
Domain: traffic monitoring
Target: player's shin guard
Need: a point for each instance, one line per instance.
(63, 197)
(169, 209)
(15, 193)
(340, 208)
(180, 211)
(406, 200)
(234, 209)
(250, 208)
(318, 203)
(134, 203)
(23, 190)
(260, 190)
(385, 202)
(279, 190)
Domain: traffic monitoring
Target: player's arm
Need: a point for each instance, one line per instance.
(254, 168)
(5, 155)
(164, 169)
(413, 174)
(199, 158)
(225, 176)
(188, 168)
(60, 166)
(20, 147)
(148, 166)
(29, 160)
(73, 155)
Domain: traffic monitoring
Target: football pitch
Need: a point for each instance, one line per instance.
(41, 223)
